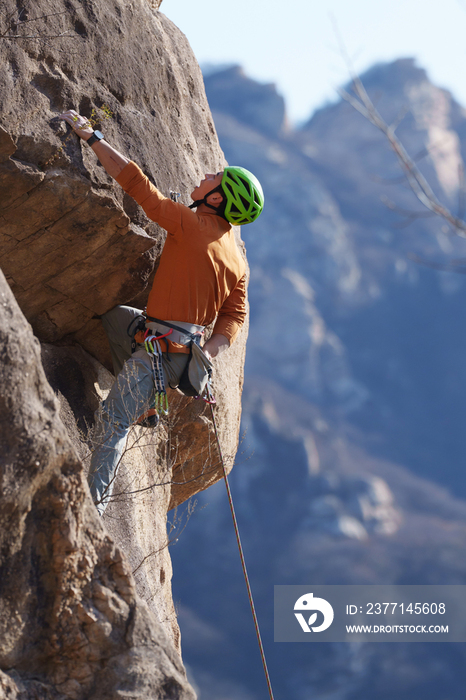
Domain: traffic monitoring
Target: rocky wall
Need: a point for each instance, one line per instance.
(72, 246)
(71, 623)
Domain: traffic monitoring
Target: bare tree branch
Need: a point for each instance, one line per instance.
(458, 266)
(409, 215)
(14, 21)
(419, 185)
(426, 151)
(417, 182)
(42, 37)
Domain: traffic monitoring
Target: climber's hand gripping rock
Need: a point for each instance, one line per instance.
(80, 125)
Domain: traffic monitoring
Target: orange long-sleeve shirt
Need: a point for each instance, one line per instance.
(201, 274)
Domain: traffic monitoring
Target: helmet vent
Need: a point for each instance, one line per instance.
(245, 202)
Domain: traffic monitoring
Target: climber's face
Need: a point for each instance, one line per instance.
(209, 183)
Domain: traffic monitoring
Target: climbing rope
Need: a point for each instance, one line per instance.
(211, 403)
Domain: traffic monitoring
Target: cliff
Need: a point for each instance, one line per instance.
(87, 609)
(72, 625)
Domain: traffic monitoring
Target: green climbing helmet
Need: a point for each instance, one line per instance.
(244, 196)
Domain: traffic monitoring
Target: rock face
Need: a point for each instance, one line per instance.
(72, 247)
(59, 207)
(71, 623)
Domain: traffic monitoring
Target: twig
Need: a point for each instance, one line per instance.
(452, 266)
(41, 37)
(36, 19)
(416, 180)
(190, 510)
(362, 103)
(18, 22)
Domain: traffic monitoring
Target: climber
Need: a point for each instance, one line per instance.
(200, 278)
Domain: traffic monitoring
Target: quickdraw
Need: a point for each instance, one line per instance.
(152, 346)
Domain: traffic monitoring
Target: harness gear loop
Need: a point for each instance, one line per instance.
(240, 548)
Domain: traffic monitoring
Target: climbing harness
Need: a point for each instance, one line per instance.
(180, 332)
(211, 401)
(198, 368)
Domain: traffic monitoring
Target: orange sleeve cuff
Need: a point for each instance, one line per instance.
(130, 171)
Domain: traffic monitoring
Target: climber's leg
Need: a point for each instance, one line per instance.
(116, 323)
(131, 396)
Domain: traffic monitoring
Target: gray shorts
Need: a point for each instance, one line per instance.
(116, 324)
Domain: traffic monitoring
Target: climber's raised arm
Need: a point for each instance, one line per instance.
(110, 158)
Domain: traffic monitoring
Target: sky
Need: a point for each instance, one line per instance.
(297, 44)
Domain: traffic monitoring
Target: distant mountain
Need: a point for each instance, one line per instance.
(354, 400)
(361, 329)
